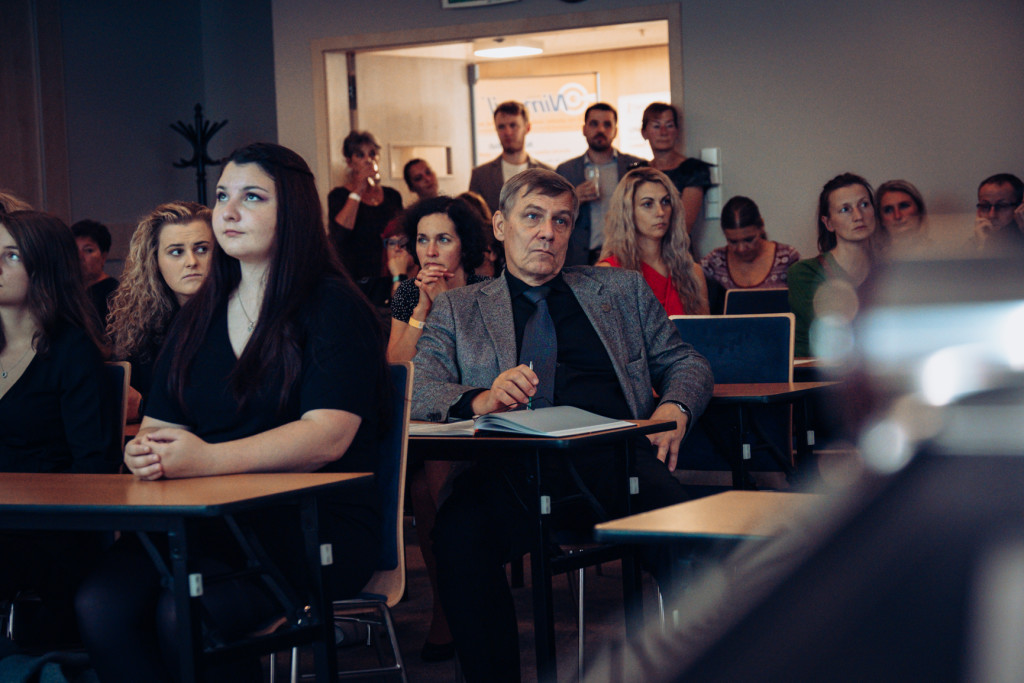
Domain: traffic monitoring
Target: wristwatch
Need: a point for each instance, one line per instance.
(677, 404)
(684, 410)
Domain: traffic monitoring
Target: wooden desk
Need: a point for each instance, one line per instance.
(437, 447)
(122, 502)
(729, 515)
(766, 392)
(744, 395)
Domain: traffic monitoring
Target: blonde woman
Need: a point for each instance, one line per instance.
(168, 259)
(645, 231)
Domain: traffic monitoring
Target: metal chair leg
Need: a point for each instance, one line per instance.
(580, 623)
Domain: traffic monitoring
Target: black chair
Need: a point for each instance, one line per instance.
(741, 349)
(756, 301)
(370, 610)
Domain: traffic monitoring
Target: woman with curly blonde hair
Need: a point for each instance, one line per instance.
(645, 231)
(168, 259)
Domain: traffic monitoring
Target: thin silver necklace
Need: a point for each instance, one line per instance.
(5, 372)
(252, 323)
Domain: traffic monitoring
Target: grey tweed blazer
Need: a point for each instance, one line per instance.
(469, 339)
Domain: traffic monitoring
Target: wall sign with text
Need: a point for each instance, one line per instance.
(555, 105)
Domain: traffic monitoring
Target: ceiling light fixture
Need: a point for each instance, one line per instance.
(502, 48)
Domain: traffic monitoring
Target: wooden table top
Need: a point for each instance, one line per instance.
(766, 392)
(733, 514)
(63, 491)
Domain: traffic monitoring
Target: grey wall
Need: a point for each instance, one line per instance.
(133, 68)
(793, 93)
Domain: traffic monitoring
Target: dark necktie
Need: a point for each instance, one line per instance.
(540, 346)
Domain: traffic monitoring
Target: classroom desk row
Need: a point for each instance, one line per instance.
(142, 506)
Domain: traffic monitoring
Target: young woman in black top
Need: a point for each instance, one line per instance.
(54, 416)
(276, 365)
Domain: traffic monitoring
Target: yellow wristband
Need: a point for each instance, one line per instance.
(418, 324)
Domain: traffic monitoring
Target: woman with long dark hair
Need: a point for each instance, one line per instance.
(54, 416)
(276, 365)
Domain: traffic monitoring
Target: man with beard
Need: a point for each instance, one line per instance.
(595, 175)
(512, 123)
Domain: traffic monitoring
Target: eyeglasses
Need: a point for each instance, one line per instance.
(985, 207)
(400, 242)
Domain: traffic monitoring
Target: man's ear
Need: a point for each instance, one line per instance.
(498, 224)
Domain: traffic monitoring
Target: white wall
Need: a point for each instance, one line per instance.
(792, 93)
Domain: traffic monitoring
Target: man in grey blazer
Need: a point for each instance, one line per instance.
(595, 173)
(615, 348)
(512, 123)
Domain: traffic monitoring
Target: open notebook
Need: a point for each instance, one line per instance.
(555, 421)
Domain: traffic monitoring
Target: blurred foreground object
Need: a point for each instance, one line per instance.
(917, 571)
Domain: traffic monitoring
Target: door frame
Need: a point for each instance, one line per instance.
(670, 12)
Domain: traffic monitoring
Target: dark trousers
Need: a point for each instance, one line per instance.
(487, 521)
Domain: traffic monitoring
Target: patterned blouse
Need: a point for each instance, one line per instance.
(716, 267)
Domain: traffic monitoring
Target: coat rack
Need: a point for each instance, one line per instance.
(199, 135)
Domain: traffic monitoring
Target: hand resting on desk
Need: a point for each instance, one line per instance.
(163, 449)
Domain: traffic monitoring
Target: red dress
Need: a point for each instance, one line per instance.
(662, 286)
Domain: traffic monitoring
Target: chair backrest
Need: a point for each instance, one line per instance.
(389, 579)
(742, 348)
(116, 378)
(750, 301)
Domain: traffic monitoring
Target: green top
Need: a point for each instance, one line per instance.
(803, 278)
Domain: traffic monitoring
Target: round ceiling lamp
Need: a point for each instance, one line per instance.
(503, 48)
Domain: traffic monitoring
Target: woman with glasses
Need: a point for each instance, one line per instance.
(359, 211)
(691, 177)
(399, 261)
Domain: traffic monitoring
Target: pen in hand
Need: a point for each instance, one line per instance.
(529, 399)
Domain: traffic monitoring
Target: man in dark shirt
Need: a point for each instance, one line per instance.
(615, 347)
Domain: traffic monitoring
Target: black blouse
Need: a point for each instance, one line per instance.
(57, 416)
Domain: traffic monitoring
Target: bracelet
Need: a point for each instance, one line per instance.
(418, 324)
(356, 196)
(396, 278)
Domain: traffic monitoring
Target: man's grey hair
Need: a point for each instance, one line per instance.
(547, 183)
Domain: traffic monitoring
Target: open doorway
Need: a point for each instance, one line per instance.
(426, 93)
